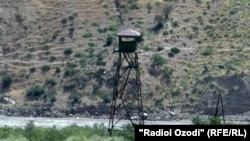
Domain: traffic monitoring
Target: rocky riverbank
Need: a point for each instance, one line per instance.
(95, 113)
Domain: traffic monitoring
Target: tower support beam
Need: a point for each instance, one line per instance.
(127, 98)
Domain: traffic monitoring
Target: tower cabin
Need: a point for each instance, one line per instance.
(129, 41)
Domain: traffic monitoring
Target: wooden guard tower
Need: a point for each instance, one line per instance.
(127, 98)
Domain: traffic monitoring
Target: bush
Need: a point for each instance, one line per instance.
(102, 30)
(198, 1)
(113, 28)
(146, 48)
(69, 72)
(175, 50)
(109, 40)
(207, 51)
(175, 24)
(69, 86)
(79, 55)
(51, 95)
(35, 91)
(58, 70)
(88, 35)
(64, 21)
(45, 68)
(68, 51)
(167, 72)
(134, 6)
(75, 96)
(158, 60)
(171, 54)
(50, 82)
(233, 11)
(71, 31)
(6, 81)
(159, 48)
(209, 121)
(105, 95)
(32, 70)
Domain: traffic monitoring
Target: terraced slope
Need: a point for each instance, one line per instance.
(59, 53)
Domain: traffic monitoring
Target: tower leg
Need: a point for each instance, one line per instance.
(127, 99)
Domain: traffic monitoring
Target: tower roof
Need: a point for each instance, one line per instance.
(129, 32)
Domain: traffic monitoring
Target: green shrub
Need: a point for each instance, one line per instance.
(71, 31)
(28, 56)
(83, 62)
(102, 30)
(69, 86)
(50, 82)
(91, 44)
(158, 60)
(209, 121)
(95, 24)
(64, 21)
(109, 40)
(68, 51)
(167, 72)
(45, 68)
(113, 28)
(233, 11)
(58, 70)
(175, 24)
(207, 51)
(88, 35)
(69, 72)
(51, 95)
(105, 95)
(160, 48)
(79, 55)
(175, 50)
(146, 48)
(32, 69)
(62, 39)
(171, 54)
(35, 91)
(71, 65)
(198, 1)
(6, 82)
(19, 18)
(134, 6)
(75, 96)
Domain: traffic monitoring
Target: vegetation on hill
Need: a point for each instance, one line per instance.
(60, 52)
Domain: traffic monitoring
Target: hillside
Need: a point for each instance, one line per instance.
(57, 56)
